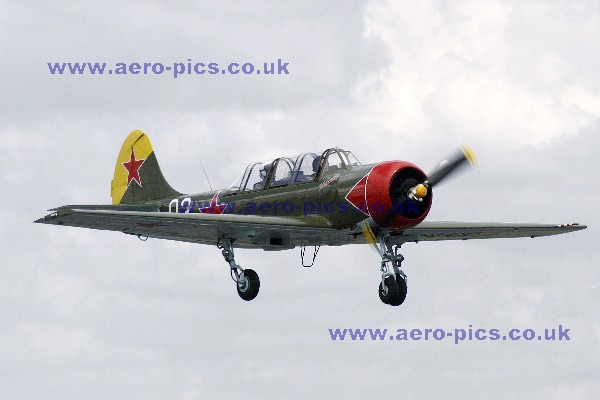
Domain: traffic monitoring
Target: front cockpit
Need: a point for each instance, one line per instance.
(284, 171)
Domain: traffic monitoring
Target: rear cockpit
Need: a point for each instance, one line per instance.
(284, 171)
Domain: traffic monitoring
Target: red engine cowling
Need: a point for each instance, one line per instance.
(383, 195)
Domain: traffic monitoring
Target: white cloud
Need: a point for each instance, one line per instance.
(464, 68)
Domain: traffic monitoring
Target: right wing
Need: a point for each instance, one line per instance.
(248, 231)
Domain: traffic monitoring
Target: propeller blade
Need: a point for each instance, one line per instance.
(371, 237)
(447, 167)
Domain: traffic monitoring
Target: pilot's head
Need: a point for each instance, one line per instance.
(265, 171)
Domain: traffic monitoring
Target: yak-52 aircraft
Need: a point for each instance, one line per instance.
(310, 200)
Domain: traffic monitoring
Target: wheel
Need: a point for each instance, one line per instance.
(392, 295)
(250, 286)
(403, 289)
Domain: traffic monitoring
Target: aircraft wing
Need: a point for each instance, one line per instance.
(454, 230)
(248, 231)
(275, 232)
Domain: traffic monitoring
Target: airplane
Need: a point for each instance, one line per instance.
(312, 200)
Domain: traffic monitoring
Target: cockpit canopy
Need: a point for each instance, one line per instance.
(283, 171)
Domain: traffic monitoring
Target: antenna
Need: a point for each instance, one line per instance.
(205, 174)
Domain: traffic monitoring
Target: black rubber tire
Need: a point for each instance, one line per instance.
(253, 285)
(393, 292)
(403, 289)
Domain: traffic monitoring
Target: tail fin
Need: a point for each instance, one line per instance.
(138, 178)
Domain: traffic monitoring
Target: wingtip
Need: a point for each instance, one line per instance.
(574, 226)
(52, 218)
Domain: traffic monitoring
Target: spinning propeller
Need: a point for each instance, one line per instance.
(442, 171)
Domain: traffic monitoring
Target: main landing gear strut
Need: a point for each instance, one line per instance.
(246, 280)
(392, 289)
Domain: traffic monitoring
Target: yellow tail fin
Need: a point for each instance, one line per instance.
(138, 178)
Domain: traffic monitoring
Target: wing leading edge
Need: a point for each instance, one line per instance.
(454, 230)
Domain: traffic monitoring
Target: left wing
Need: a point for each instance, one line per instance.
(453, 230)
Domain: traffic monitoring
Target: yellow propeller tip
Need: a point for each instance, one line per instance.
(469, 155)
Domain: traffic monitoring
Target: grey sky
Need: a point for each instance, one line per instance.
(96, 315)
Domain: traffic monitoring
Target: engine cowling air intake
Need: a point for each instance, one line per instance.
(384, 195)
(387, 195)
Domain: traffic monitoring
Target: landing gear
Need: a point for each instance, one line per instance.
(403, 288)
(389, 292)
(393, 288)
(247, 281)
(248, 284)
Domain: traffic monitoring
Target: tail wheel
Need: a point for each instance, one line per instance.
(249, 285)
(391, 293)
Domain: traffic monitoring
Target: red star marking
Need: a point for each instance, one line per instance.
(215, 207)
(149, 225)
(133, 169)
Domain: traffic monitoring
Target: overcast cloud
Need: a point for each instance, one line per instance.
(96, 315)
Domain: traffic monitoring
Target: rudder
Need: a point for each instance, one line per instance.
(138, 177)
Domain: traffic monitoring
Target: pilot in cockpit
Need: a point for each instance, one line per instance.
(264, 173)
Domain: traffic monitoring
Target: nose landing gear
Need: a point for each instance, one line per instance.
(393, 288)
